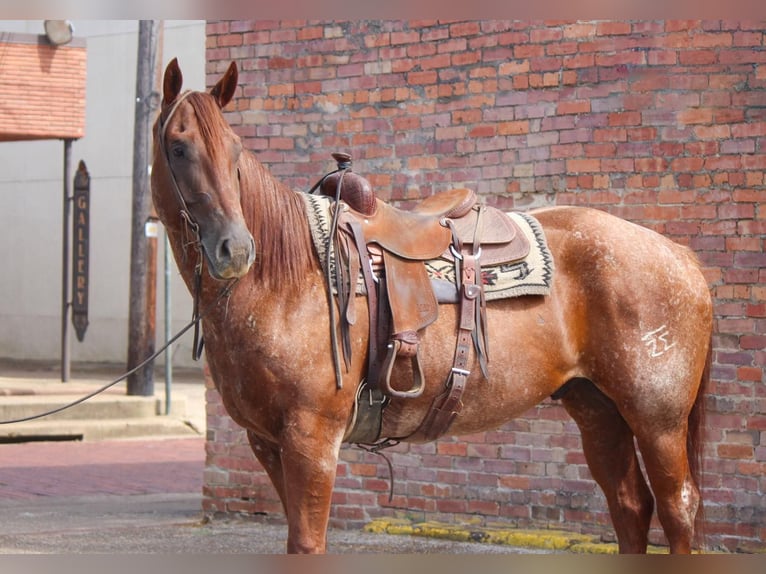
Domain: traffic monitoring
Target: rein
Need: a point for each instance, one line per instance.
(225, 292)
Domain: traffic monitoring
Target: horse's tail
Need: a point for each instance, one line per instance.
(695, 441)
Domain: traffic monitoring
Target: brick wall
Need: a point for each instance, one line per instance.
(42, 88)
(660, 122)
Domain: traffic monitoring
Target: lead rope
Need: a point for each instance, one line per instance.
(225, 292)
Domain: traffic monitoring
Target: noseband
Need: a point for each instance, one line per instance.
(189, 222)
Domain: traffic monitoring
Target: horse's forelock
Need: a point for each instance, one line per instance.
(210, 122)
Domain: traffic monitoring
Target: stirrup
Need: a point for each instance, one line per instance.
(418, 385)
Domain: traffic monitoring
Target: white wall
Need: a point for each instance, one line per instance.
(31, 190)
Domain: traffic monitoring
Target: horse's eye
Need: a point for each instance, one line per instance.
(178, 151)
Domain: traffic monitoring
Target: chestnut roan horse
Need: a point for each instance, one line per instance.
(626, 327)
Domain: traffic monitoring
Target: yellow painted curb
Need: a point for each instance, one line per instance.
(559, 540)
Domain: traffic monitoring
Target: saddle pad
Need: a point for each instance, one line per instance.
(532, 275)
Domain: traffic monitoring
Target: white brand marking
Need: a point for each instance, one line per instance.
(657, 341)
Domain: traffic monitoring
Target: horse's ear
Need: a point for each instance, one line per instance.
(224, 90)
(171, 84)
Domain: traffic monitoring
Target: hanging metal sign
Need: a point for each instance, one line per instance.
(81, 250)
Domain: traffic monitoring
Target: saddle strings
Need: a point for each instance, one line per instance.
(343, 167)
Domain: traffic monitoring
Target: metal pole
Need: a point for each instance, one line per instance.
(65, 287)
(168, 312)
(168, 330)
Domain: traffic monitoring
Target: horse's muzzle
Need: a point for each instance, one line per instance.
(231, 254)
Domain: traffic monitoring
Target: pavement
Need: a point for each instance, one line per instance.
(143, 495)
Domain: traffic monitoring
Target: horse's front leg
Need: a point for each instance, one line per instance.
(268, 455)
(309, 451)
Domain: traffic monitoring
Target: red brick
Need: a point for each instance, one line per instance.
(697, 57)
(464, 29)
(650, 164)
(573, 107)
(612, 28)
(687, 164)
(583, 165)
(542, 35)
(408, 37)
(513, 128)
(465, 58)
(580, 30)
(418, 78)
(624, 119)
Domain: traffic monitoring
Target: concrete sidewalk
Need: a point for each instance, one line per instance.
(31, 388)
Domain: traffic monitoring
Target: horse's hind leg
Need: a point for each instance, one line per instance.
(678, 498)
(611, 456)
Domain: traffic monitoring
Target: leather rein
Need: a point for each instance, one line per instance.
(344, 166)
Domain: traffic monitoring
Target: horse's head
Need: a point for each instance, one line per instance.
(195, 174)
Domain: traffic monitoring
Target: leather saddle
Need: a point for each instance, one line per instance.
(389, 246)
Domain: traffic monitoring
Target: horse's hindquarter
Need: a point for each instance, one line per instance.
(646, 309)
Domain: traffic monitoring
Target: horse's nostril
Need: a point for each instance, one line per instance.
(224, 252)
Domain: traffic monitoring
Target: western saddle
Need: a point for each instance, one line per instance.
(389, 246)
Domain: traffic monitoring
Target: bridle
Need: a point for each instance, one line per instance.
(163, 128)
(189, 223)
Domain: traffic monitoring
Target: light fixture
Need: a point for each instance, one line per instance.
(58, 32)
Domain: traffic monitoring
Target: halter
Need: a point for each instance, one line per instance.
(189, 222)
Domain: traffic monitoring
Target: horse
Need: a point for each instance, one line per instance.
(623, 338)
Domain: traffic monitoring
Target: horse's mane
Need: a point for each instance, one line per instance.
(276, 216)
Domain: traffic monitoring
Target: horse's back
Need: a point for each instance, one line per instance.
(604, 245)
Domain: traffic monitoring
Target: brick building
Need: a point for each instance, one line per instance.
(660, 122)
